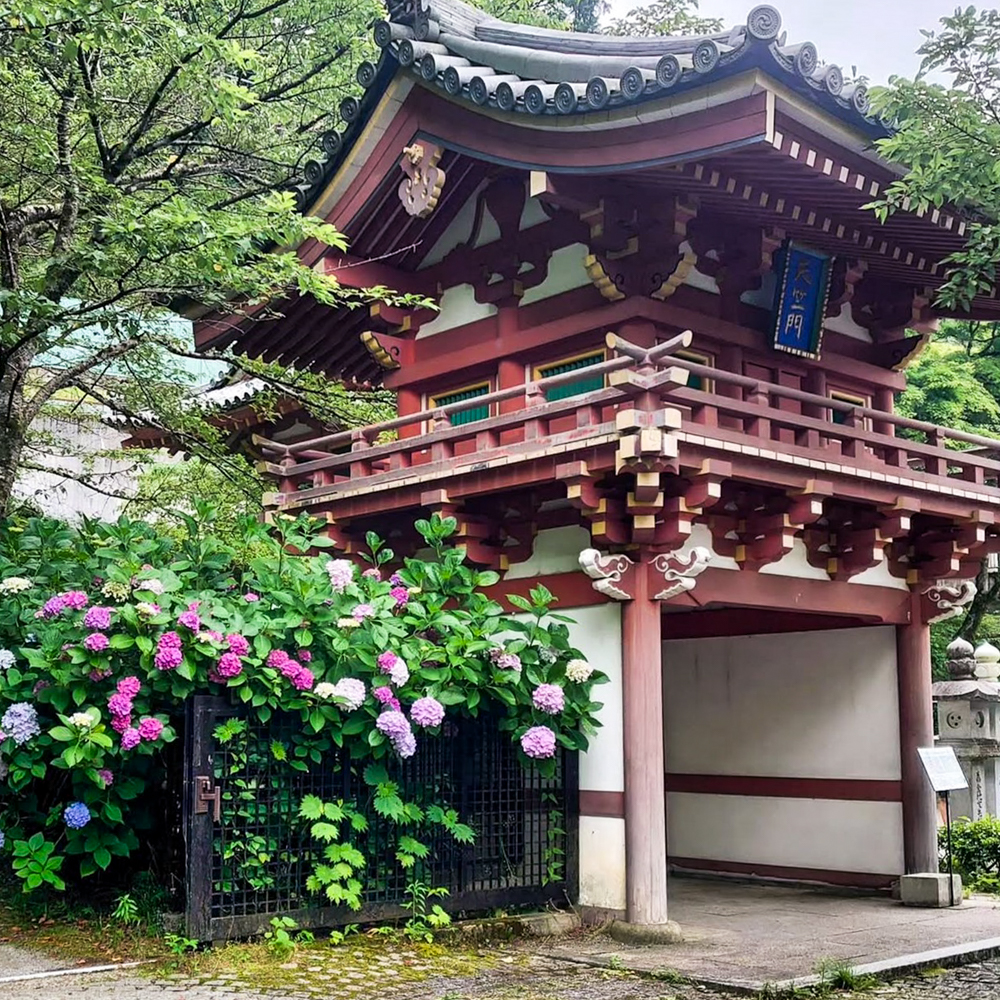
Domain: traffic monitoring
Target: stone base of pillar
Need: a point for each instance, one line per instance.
(666, 933)
(930, 889)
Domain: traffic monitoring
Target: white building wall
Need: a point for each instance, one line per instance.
(794, 705)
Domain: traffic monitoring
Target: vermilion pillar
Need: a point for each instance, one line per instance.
(916, 729)
(645, 799)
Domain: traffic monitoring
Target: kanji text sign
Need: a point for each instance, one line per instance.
(943, 769)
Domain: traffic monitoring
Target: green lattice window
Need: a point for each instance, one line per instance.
(572, 365)
(465, 416)
(840, 416)
(696, 381)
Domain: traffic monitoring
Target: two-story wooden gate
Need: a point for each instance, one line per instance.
(249, 855)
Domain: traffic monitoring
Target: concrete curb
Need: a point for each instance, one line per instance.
(76, 971)
(891, 968)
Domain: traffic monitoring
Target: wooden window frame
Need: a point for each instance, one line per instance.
(699, 358)
(842, 396)
(431, 399)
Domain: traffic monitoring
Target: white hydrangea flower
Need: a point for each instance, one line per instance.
(352, 691)
(341, 573)
(7, 659)
(578, 671)
(81, 720)
(324, 690)
(152, 585)
(14, 585)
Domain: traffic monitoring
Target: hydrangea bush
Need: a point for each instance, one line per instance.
(106, 632)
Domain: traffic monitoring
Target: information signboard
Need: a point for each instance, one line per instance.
(943, 769)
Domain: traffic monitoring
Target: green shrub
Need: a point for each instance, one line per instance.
(976, 852)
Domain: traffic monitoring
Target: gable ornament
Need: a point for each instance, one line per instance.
(421, 189)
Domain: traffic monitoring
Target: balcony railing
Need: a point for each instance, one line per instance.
(735, 413)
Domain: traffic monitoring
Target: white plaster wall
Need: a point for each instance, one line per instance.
(566, 272)
(556, 550)
(844, 323)
(602, 862)
(797, 705)
(458, 306)
(793, 833)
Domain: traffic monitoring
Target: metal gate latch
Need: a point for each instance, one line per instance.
(205, 794)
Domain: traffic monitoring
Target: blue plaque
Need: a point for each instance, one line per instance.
(800, 301)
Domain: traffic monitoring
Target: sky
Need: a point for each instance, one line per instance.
(879, 37)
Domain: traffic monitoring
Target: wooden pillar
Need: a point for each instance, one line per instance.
(645, 798)
(916, 729)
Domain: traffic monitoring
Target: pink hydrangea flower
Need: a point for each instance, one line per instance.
(539, 742)
(169, 640)
(277, 657)
(96, 642)
(168, 658)
(427, 712)
(237, 644)
(130, 738)
(303, 679)
(76, 600)
(97, 618)
(383, 695)
(304, 655)
(400, 595)
(341, 573)
(548, 698)
(129, 686)
(194, 605)
(250, 597)
(396, 580)
(119, 723)
(386, 661)
(229, 665)
(106, 776)
(508, 661)
(119, 704)
(289, 667)
(362, 611)
(150, 729)
(189, 619)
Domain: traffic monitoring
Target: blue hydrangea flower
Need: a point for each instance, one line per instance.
(76, 815)
(20, 722)
(3, 838)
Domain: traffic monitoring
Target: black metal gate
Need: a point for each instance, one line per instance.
(248, 854)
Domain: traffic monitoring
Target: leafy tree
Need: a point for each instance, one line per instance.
(665, 17)
(948, 139)
(658, 17)
(148, 154)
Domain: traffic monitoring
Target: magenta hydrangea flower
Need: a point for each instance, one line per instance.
(169, 640)
(400, 595)
(277, 657)
(96, 642)
(304, 655)
(539, 742)
(303, 679)
(167, 658)
(194, 605)
(362, 611)
(383, 695)
(237, 644)
(106, 776)
(119, 704)
(548, 698)
(150, 729)
(76, 600)
(53, 606)
(229, 665)
(130, 738)
(129, 686)
(427, 712)
(386, 661)
(99, 674)
(250, 597)
(189, 619)
(97, 618)
(119, 723)
(289, 667)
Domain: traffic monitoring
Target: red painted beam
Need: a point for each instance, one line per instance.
(861, 880)
(845, 789)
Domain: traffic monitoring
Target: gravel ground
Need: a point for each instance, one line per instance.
(538, 979)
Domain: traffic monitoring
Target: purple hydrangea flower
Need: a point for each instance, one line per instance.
(304, 655)
(289, 667)
(400, 595)
(20, 722)
(237, 644)
(539, 742)
(129, 686)
(100, 674)
(106, 776)
(97, 618)
(130, 738)
(169, 640)
(277, 657)
(406, 745)
(96, 642)
(120, 704)
(396, 726)
(427, 712)
(508, 661)
(548, 698)
(149, 729)
(396, 580)
(76, 600)
(229, 665)
(168, 658)
(76, 815)
(53, 606)
(189, 619)
(362, 611)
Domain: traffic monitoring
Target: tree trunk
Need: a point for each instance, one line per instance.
(11, 447)
(986, 596)
(13, 425)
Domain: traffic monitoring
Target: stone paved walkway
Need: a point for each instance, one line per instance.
(536, 979)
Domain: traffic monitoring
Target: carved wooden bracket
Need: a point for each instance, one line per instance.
(385, 350)
(946, 600)
(607, 572)
(680, 572)
(887, 308)
(843, 282)
(421, 189)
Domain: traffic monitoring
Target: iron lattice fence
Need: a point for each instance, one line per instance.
(249, 854)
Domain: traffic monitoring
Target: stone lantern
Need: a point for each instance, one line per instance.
(968, 715)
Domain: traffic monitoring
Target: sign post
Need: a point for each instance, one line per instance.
(945, 775)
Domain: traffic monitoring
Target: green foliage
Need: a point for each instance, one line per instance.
(976, 852)
(126, 911)
(836, 974)
(281, 938)
(36, 862)
(425, 916)
(665, 17)
(177, 944)
(948, 140)
(658, 17)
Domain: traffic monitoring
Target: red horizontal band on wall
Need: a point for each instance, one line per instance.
(847, 789)
(610, 804)
(861, 880)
